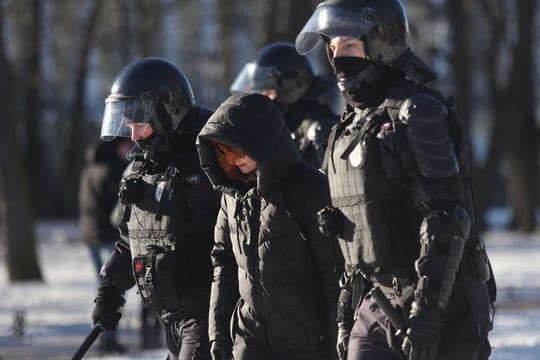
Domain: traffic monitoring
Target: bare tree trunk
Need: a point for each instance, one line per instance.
(460, 59)
(523, 149)
(270, 24)
(299, 13)
(148, 26)
(485, 177)
(31, 110)
(125, 40)
(227, 17)
(462, 63)
(73, 162)
(15, 204)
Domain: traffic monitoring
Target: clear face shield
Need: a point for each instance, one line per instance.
(254, 78)
(122, 114)
(331, 21)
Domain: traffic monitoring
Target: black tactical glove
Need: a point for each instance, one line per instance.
(342, 343)
(218, 352)
(421, 341)
(108, 304)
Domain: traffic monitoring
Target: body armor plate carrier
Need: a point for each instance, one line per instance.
(379, 224)
(157, 220)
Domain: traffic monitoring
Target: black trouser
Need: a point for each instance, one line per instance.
(464, 333)
(187, 339)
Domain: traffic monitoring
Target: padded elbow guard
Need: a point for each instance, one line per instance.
(429, 137)
(442, 237)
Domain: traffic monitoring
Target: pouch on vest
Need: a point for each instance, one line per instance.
(158, 284)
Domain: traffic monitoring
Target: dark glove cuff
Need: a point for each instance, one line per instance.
(110, 294)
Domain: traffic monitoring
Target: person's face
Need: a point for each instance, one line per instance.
(347, 46)
(270, 93)
(140, 131)
(230, 156)
(245, 164)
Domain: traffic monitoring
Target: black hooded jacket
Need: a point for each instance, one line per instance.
(267, 244)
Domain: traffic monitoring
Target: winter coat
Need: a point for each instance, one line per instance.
(98, 191)
(267, 244)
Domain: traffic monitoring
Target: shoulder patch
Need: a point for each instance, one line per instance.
(193, 179)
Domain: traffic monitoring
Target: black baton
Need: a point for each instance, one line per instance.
(90, 338)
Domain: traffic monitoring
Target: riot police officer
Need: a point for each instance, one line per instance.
(169, 207)
(402, 202)
(285, 76)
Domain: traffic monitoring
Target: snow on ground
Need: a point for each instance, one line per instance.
(57, 311)
(516, 334)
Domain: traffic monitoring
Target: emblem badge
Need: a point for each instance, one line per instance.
(160, 187)
(193, 179)
(356, 157)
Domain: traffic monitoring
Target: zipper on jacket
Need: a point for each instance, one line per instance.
(255, 224)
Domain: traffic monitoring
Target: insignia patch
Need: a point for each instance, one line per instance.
(193, 179)
(160, 187)
(356, 157)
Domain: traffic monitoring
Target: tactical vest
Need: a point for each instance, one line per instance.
(379, 223)
(156, 218)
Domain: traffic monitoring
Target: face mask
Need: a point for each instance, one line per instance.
(154, 147)
(352, 72)
(362, 82)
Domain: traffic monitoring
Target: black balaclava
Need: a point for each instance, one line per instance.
(363, 83)
(155, 148)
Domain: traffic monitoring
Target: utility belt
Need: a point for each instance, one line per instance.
(398, 284)
(157, 279)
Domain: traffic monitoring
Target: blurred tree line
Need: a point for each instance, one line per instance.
(58, 59)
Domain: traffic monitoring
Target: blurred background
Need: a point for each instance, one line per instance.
(58, 59)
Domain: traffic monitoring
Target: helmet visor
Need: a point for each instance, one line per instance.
(331, 21)
(119, 115)
(254, 78)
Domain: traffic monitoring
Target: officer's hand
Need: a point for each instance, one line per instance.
(342, 343)
(421, 341)
(218, 352)
(107, 305)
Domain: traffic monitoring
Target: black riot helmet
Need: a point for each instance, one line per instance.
(381, 24)
(152, 91)
(276, 66)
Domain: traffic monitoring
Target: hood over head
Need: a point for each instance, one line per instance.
(253, 123)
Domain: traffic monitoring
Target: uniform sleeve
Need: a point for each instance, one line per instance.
(429, 154)
(437, 191)
(224, 289)
(117, 267)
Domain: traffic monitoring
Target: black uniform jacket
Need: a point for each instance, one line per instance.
(201, 205)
